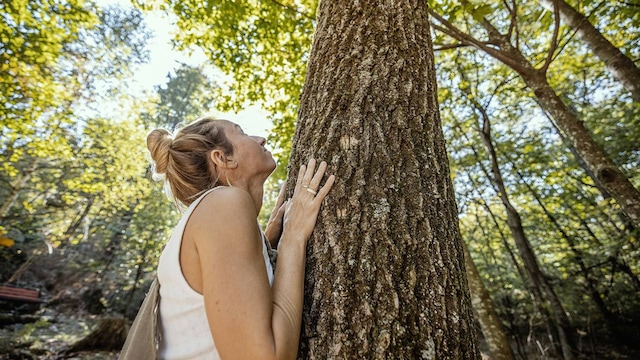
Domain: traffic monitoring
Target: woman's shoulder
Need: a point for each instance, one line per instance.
(226, 213)
(224, 202)
(222, 194)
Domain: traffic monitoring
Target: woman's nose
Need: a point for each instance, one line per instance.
(260, 140)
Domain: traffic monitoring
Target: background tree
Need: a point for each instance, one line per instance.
(621, 66)
(187, 94)
(525, 148)
(504, 45)
(485, 312)
(40, 128)
(64, 167)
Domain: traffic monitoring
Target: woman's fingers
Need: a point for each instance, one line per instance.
(302, 209)
(301, 173)
(309, 172)
(309, 179)
(324, 190)
(315, 181)
(280, 199)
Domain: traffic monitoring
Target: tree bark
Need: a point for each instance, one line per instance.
(385, 271)
(619, 65)
(486, 314)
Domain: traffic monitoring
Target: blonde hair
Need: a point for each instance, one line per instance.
(183, 160)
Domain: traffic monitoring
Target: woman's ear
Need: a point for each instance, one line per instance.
(220, 159)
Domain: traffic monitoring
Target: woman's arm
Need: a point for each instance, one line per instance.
(248, 318)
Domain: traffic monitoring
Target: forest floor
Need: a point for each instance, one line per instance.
(48, 337)
(51, 333)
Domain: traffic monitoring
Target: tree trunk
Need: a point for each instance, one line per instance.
(109, 335)
(139, 273)
(528, 256)
(486, 314)
(121, 228)
(621, 67)
(76, 224)
(579, 159)
(385, 269)
(17, 186)
(607, 174)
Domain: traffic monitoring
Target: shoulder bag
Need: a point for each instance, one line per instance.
(143, 339)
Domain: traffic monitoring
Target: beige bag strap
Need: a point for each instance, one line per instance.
(143, 340)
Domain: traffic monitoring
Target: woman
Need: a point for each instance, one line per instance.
(219, 297)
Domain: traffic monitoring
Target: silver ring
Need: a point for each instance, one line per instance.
(305, 186)
(311, 191)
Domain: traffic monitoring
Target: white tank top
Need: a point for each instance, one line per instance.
(183, 320)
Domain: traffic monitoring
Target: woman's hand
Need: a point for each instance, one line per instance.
(302, 209)
(274, 225)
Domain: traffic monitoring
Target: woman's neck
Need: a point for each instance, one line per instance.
(255, 189)
(256, 193)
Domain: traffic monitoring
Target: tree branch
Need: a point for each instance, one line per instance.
(291, 8)
(554, 39)
(457, 34)
(515, 15)
(630, 4)
(451, 46)
(512, 15)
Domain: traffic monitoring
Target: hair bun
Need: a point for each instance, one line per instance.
(159, 144)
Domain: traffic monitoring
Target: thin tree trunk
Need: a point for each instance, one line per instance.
(385, 270)
(25, 265)
(589, 198)
(139, 273)
(485, 311)
(527, 278)
(74, 226)
(111, 250)
(580, 161)
(17, 186)
(565, 332)
(590, 283)
(624, 267)
(613, 258)
(621, 67)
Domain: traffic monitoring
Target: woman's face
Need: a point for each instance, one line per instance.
(249, 152)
